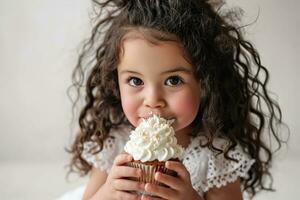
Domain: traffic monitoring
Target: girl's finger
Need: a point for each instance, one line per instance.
(126, 195)
(122, 159)
(125, 172)
(179, 168)
(161, 191)
(128, 185)
(171, 181)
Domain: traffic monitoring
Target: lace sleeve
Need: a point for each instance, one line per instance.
(112, 146)
(221, 171)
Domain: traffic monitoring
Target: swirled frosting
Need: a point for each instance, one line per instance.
(153, 139)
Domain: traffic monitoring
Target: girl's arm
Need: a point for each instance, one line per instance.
(231, 191)
(97, 179)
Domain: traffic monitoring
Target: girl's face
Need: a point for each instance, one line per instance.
(156, 79)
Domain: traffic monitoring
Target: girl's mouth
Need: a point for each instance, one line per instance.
(171, 120)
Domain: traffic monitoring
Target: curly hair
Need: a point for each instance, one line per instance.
(235, 103)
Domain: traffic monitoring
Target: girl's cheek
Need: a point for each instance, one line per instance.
(186, 109)
(187, 106)
(130, 108)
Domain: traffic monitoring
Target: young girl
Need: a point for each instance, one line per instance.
(183, 60)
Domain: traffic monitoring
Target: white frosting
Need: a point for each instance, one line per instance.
(153, 139)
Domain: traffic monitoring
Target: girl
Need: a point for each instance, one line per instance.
(183, 60)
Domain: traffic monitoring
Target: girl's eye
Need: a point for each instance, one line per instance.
(133, 81)
(173, 81)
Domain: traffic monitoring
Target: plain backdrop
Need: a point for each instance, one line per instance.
(39, 43)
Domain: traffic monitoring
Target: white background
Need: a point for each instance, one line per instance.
(39, 42)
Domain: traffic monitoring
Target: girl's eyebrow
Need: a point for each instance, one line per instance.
(179, 69)
(129, 71)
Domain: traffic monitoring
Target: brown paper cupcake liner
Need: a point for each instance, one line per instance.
(149, 169)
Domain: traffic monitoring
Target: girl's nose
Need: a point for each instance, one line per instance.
(154, 98)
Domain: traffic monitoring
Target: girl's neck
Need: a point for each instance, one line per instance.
(183, 138)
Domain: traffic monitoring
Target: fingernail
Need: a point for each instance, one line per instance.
(166, 164)
(146, 187)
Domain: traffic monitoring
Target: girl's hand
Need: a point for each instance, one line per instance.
(180, 187)
(116, 185)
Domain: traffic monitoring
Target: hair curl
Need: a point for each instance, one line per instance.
(235, 103)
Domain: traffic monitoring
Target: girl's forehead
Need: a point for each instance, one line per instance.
(135, 40)
(138, 52)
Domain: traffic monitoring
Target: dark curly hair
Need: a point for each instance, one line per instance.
(235, 102)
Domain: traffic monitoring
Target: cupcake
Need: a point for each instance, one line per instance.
(151, 144)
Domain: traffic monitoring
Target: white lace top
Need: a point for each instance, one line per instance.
(206, 168)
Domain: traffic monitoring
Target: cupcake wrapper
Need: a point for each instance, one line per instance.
(149, 172)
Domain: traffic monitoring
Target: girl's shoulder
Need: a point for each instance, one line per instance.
(209, 168)
(112, 146)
